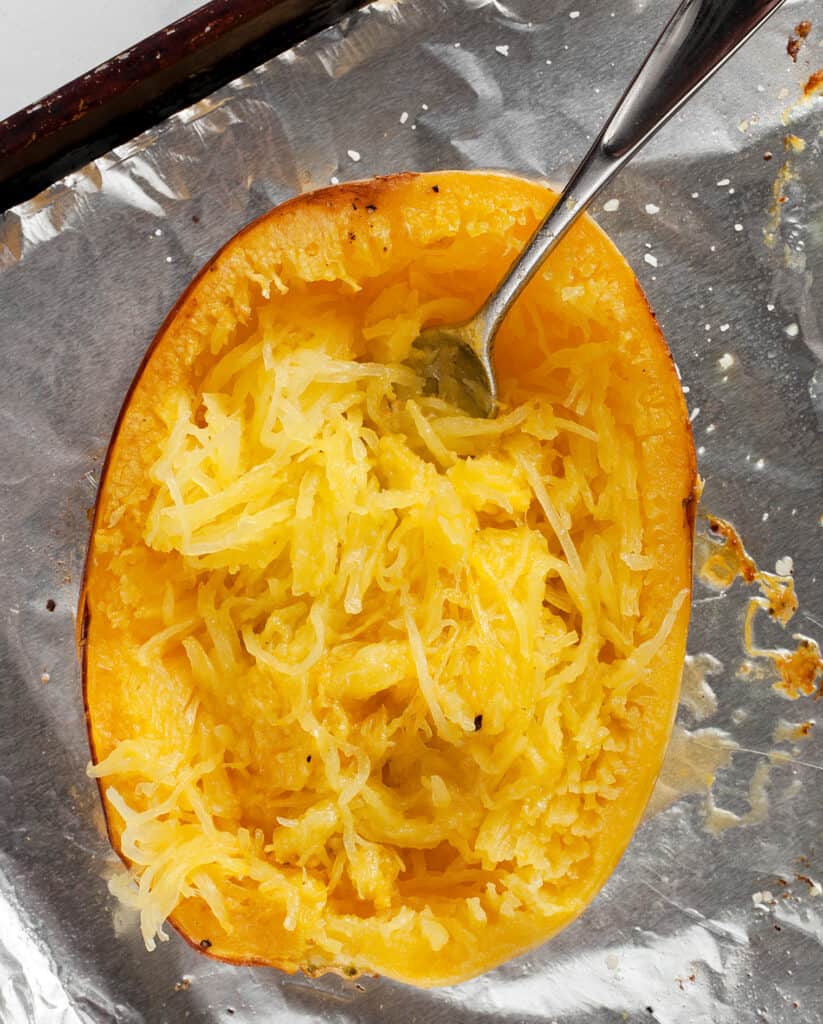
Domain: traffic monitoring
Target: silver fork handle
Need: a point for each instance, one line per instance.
(700, 37)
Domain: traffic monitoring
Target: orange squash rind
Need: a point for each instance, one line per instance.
(316, 761)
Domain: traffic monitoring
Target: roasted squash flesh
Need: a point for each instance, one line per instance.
(373, 686)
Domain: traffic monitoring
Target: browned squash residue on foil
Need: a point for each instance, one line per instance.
(730, 559)
(795, 40)
(792, 732)
(779, 196)
(696, 756)
(814, 84)
(793, 144)
(800, 670)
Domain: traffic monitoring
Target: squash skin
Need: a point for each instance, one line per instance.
(670, 497)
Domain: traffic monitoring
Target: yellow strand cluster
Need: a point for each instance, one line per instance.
(356, 568)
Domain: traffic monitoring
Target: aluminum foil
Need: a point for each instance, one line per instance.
(709, 917)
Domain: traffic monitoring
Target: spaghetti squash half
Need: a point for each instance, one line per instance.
(373, 686)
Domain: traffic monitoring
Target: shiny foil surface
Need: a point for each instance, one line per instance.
(711, 916)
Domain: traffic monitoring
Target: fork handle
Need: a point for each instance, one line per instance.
(699, 38)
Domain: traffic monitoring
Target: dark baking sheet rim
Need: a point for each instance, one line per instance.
(136, 89)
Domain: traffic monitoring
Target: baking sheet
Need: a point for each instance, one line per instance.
(700, 922)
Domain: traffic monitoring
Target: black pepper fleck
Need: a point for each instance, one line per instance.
(371, 208)
(205, 944)
(308, 758)
(478, 723)
(352, 236)
(195, 219)
(51, 604)
(435, 188)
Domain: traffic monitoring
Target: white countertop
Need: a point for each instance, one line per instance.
(46, 43)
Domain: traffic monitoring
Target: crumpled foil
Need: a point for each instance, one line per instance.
(710, 917)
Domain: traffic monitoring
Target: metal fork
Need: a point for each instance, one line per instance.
(456, 361)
